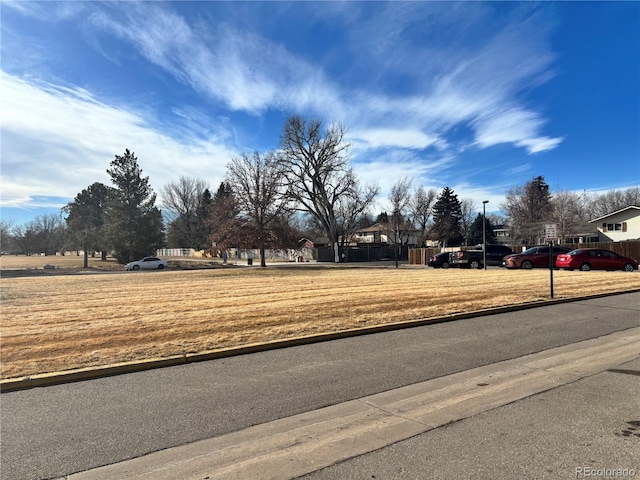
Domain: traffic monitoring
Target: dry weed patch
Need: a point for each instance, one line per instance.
(65, 322)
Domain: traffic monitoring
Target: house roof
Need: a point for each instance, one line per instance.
(632, 207)
(378, 227)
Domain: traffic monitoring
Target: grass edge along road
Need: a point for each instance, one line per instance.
(63, 323)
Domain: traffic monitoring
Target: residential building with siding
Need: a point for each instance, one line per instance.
(618, 226)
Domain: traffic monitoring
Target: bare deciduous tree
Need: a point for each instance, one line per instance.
(316, 168)
(468, 208)
(400, 198)
(569, 212)
(44, 234)
(400, 220)
(421, 210)
(257, 184)
(351, 211)
(529, 208)
(612, 201)
(6, 225)
(182, 201)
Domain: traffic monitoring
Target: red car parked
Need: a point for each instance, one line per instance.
(595, 259)
(532, 257)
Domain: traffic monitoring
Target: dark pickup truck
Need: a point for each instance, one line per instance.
(474, 258)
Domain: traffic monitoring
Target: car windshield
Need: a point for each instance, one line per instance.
(575, 252)
(530, 251)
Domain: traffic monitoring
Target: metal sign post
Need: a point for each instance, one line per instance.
(551, 267)
(551, 235)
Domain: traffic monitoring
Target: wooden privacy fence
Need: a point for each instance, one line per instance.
(629, 248)
(420, 256)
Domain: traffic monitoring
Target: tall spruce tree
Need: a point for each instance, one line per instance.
(475, 231)
(135, 225)
(202, 218)
(447, 218)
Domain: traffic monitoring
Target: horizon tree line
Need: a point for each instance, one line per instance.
(272, 199)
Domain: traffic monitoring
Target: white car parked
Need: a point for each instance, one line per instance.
(147, 263)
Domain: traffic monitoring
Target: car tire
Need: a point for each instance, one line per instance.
(585, 267)
(160, 267)
(135, 267)
(527, 265)
(628, 267)
(445, 264)
(474, 264)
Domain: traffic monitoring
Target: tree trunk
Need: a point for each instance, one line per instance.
(336, 252)
(86, 258)
(263, 261)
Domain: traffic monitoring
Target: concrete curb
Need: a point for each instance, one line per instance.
(89, 373)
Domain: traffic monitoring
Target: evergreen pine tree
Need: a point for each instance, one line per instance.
(475, 231)
(86, 219)
(135, 225)
(447, 218)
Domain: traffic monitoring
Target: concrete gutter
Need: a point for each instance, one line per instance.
(89, 373)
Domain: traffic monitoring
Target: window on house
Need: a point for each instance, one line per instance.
(614, 227)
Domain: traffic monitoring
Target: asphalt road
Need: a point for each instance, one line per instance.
(55, 431)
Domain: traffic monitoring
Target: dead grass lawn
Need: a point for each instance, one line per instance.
(59, 262)
(54, 323)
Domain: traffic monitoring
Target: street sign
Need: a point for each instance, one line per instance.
(550, 232)
(551, 235)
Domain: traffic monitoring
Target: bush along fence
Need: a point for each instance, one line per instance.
(628, 248)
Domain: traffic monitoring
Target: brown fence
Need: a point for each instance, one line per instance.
(420, 256)
(630, 248)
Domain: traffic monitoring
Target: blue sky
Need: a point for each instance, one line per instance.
(478, 96)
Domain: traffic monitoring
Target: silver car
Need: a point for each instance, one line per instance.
(147, 263)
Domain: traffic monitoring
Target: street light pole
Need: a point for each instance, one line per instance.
(484, 233)
(395, 243)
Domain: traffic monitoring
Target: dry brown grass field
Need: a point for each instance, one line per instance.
(61, 322)
(60, 262)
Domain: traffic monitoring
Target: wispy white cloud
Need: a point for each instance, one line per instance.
(244, 71)
(478, 194)
(514, 126)
(448, 85)
(475, 74)
(385, 167)
(387, 137)
(405, 83)
(518, 169)
(58, 140)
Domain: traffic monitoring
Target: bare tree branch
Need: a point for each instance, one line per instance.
(317, 172)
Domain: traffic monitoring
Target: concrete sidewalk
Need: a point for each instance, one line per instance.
(356, 439)
(589, 429)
